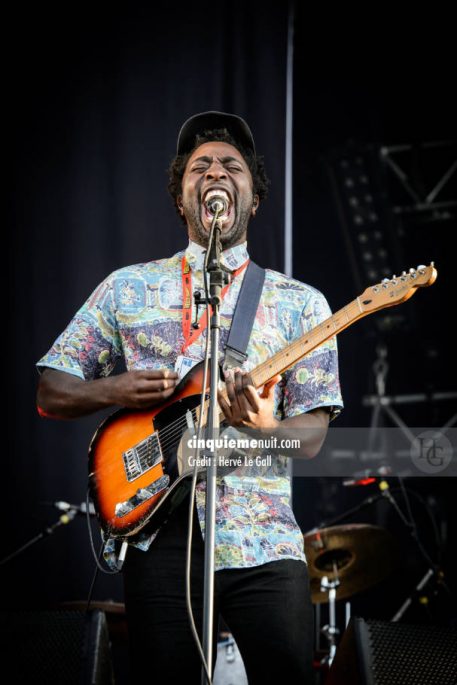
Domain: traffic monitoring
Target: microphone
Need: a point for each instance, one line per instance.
(78, 508)
(366, 477)
(216, 204)
(351, 483)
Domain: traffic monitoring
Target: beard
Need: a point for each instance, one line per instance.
(229, 237)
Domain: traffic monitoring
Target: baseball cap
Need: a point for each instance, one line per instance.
(204, 121)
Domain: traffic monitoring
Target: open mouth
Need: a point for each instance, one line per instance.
(219, 192)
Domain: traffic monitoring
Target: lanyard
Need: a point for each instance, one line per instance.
(190, 336)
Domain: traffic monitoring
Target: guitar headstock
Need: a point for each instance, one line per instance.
(397, 289)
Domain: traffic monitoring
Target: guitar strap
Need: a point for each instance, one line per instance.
(237, 344)
(243, 316)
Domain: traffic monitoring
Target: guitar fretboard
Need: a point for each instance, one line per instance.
(287, 357)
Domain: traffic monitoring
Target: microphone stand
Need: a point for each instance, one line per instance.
(216, 282)
(63, 520)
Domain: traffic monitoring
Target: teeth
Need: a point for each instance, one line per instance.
(220, 193)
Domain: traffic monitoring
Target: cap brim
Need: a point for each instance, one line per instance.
(206, 121)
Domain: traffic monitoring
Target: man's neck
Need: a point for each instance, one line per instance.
(204, 246)
(231, 257)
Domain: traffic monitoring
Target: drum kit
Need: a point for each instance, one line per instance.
(343, 561)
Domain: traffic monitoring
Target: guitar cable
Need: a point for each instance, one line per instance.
(97, 557)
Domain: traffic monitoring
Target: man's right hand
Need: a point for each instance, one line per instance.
(63, 395)
(142, 389)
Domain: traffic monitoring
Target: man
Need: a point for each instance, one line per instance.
(139, 313)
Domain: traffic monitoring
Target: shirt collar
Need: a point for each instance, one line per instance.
(232, 258)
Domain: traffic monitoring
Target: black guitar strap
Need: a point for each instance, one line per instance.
(243, 316)
(235, 355)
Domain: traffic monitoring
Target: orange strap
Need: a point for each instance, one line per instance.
(191, 335)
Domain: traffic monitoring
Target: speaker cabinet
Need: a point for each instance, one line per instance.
(384, 653)
(55, 648)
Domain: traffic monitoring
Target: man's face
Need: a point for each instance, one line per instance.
(217, 166)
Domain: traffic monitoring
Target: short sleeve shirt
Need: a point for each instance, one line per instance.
(136, 313)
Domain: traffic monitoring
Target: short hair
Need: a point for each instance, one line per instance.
(260, 181)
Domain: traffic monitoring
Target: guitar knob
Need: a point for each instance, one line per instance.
(412, 271)
(421, 267)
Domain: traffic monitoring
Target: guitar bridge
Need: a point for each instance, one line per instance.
(142, 495)
(142, 457)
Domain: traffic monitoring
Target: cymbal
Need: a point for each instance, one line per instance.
(359, 555)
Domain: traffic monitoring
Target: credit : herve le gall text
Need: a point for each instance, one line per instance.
(263, 460)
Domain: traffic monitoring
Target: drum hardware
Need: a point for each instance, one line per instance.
(330, 630)
(382, 403)
(342, 561)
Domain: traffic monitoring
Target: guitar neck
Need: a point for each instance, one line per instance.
(385, 294)
(287, 357)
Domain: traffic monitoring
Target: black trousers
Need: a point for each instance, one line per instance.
(267, 608)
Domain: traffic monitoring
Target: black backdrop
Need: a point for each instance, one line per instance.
(97, 99)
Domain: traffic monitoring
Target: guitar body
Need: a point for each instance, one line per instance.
(132, 459)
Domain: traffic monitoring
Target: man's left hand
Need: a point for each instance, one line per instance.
(244, 406)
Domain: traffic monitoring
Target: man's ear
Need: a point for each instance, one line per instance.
(255, 204)
(179, 204)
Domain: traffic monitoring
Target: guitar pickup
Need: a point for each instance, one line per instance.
(142, 495)
(142, 457)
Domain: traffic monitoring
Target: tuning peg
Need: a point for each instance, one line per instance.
(394, 276)
(421, 267)
(403, 273)
(412, 271)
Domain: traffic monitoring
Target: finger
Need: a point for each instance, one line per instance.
(157, 386)
(239, 375)
(157, 374)
(250, 395)
(243, 404)
(252, 399)
(230, 387)
(224, 405)
(155, 395)
(145, 400)
(245, 407)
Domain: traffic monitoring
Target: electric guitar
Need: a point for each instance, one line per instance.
(133, 467)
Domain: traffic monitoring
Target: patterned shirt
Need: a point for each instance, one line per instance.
(136, 313)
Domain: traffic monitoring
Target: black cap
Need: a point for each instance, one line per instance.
(204, 121)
